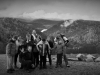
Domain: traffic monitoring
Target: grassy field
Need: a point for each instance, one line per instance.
(77, 68)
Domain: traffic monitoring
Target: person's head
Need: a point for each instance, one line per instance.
(34, 32)
(21, 42)
(60, 42)
(57, 38)
(29, 48)
(19, 37)
(28, 36)
(22, 50)
(43, 39)
(14, 38)
(38, 38)
(62, 35)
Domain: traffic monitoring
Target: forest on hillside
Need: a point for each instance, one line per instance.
(13, 26)
(84, 35)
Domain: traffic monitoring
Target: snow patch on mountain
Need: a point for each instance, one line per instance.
(43, 30)
(67, 23)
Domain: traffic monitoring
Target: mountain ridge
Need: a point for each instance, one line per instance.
(82, 34)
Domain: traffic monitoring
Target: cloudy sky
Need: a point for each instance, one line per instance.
(51, 9)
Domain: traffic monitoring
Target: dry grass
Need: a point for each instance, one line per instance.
(77, 68)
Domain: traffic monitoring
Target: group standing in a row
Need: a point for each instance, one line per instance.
(34, 49)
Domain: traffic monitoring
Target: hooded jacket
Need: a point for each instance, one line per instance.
(11, 48)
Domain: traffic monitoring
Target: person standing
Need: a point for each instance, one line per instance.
(65, 48)
(18, 44)
(43, 47)
(59, 51)
(34, 38)
(29, 42)
(51, 44)
(21, 49)
(10, 53)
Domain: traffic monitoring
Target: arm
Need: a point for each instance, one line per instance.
(48, 46)
(48, 49)
(20, 57)
(8, 49)
(37, 47)
(32, 58)
(55, 46)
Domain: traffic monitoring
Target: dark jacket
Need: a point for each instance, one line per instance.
(33, 39)
(26, 56)
(51, 44)
(20, 47)
(31, 43)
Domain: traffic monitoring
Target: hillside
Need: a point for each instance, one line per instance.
(46, 21)
(84, 35)
(41, 23)
(54, 28)
(13, 26)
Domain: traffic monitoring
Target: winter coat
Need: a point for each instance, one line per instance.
(59, 47)
(11, 48)
(26, 56)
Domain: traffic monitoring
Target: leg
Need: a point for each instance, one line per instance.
(34, 58)
(37, 59)
(15, 60)
(12, 63)
(44, 61)
(66, 60)
(21, 66)
(57, 62)
(20, 60)
(60, 60)
(40, 62)
(9, 60)
(50, 61)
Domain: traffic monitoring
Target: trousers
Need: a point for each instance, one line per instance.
(10, 62)
(59, 59)
(42, 61)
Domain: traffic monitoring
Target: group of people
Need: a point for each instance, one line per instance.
(34, 50)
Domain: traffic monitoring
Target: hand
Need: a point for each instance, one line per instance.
(33, 65)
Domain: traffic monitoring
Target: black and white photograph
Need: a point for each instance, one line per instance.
(49, 37)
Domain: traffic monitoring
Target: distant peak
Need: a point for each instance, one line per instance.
(67, 23)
